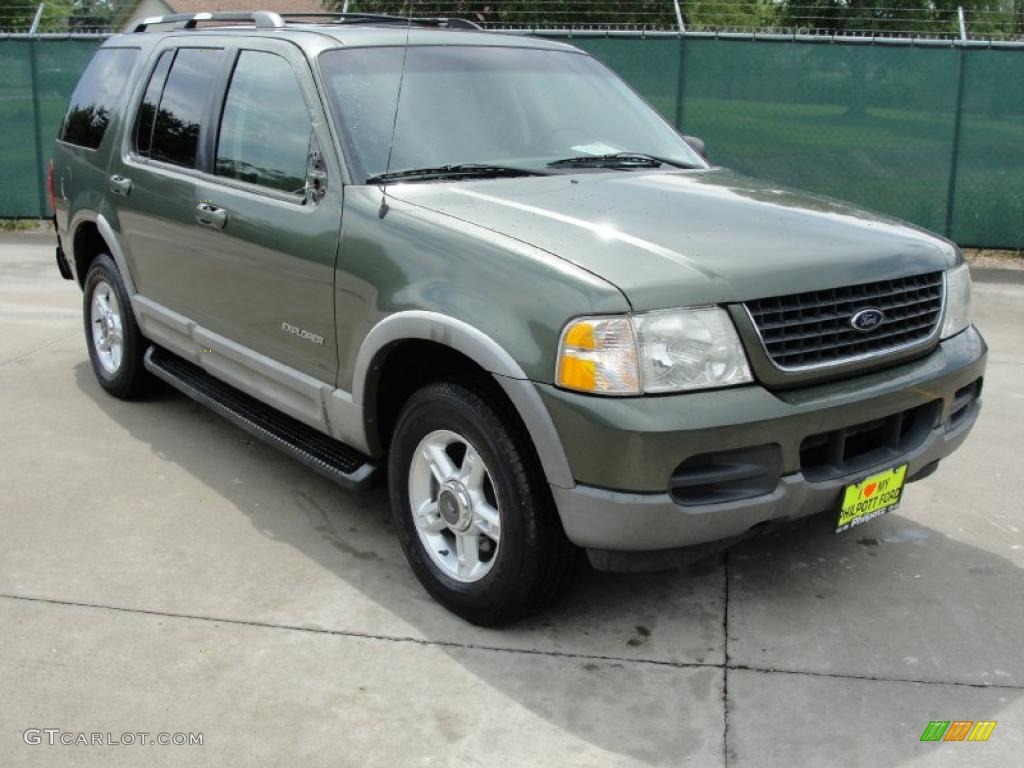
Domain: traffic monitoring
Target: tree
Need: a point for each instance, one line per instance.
(17, 15)
(96, 14)
(62, 15)
(922, 18)
(525, 12)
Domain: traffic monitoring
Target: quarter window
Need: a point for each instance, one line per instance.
(93, 99)
(265, 128)
(180, 111)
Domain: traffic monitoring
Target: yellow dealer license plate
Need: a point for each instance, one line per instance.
(871, 497)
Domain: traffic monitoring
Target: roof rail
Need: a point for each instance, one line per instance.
(271, 20)
(341, 18)
(262, 19)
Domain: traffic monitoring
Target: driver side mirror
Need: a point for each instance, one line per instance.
(697, 145)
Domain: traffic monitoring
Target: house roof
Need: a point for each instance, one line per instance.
(277, 6)
(130, 9)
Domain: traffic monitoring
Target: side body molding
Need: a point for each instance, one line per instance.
(489, 355)
(338, 413)
(290, 391)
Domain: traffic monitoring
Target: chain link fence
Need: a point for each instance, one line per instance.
(928, 131)
(932, 19)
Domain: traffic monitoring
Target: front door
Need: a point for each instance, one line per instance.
(267, 216)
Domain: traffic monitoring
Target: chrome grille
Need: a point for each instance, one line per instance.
(808, 330)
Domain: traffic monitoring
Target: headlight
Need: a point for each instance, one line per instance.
(689, 349)
(666, 351)
(958, 301)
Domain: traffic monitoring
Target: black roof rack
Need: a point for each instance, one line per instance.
(271, 20)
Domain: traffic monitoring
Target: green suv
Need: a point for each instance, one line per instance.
(482, 264)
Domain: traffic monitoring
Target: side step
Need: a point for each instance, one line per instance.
(332, 459)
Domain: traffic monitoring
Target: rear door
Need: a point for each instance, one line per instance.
(267, 212)
(151, 180)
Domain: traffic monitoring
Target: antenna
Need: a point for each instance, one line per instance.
(394, 121)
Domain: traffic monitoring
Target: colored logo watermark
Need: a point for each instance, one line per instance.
(958, 730)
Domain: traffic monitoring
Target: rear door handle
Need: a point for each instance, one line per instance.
(211, 216)
(120, 185)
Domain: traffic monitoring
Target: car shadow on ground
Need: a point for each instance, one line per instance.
(889, 601)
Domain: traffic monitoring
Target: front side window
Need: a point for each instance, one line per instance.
(520, 107)
(175, 136)
(93, 99)
(265, 128)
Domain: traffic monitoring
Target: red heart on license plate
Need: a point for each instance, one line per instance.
(869, 490)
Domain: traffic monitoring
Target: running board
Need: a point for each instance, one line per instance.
(344, 465)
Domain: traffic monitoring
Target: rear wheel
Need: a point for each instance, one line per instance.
(472, 508)
(116, 346)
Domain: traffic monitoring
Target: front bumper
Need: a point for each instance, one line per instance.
(623, 451)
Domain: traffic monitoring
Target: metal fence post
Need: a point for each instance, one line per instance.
(954, 157)
(35, 21)
(679, 16)
(681, 83)
(36, 130)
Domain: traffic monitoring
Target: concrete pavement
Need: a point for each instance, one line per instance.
(161, 571)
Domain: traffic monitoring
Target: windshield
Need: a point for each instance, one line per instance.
(494, 106)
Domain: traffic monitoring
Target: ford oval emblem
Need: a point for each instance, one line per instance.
(867, 320)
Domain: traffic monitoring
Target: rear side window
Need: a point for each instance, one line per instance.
(95, 96)
(175, 133)
(265, 128)
(147, 110)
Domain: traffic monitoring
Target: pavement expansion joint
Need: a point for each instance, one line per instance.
(727, 667)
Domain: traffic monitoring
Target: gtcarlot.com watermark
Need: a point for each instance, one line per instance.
(58, 737)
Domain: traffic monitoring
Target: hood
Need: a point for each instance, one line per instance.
(669, 239)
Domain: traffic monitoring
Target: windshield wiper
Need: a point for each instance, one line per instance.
(617, 160)
(457, 171)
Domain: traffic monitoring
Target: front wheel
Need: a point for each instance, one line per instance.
(473, 511)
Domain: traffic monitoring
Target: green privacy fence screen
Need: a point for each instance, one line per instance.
(37, 78)
(933, 134)
(892, 127)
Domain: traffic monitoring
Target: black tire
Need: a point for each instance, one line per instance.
(535, 562)
(129, 379)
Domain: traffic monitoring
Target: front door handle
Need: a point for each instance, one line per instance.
(120, 185)
(211, 216)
